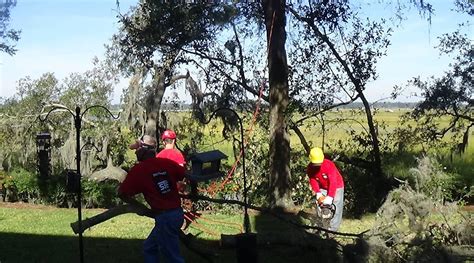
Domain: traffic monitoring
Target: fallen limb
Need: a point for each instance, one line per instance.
(271, 212)
(123, 209)
(108, 214)
(186, 239)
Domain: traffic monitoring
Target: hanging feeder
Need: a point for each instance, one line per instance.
(72, 181)
(43, 149)
(206, 166)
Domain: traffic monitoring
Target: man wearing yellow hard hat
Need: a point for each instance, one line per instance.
(326, 181)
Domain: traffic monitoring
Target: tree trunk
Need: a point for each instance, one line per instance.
(275, 20)
(155, 95)
(153, 102)
(377, 169)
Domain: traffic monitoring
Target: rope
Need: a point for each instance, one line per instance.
(272, 213)
(192, 217)
(201, 227)
(236, 225)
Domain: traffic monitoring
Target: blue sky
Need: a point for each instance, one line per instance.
(62, 36)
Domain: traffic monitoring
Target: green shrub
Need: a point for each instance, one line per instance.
(100, 194)
(415, 224)
(431, 179)
(301, 192)
(55, 192)
(25, 183)
(359, 191)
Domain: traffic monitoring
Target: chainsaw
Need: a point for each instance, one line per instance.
(322, 217)
(326, 212)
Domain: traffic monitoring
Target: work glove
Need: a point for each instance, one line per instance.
(319, 198)
(327, 200)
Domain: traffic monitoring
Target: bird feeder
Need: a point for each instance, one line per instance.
(43, 149)
(205, 166)
(72, 181)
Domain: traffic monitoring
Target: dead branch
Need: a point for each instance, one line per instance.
(123, 209)
(272, 212)
(108, 214)
(187, 239)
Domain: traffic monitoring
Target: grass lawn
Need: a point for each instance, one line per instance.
(34, 233)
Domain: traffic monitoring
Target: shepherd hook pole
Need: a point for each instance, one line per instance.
(242, 146)
(77, 124)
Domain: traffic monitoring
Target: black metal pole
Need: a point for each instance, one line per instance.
(242, 146)
(246, 215)
(77, 122)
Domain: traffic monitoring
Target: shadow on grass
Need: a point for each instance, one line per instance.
(284, 242)
(16, 248)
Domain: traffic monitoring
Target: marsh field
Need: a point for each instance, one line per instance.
(31, 232)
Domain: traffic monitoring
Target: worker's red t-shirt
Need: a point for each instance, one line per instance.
(326, 176)
(173, 155)
(156, 178)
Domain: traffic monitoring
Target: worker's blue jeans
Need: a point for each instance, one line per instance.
(339, 203)
(164, 238)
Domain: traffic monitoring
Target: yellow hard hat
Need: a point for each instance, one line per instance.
(316, 155)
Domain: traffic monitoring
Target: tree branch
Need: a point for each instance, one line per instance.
(315, 114)
(213, 60)
(357, 85)
(123, 209)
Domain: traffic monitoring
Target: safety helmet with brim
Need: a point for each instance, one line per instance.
(316, 155)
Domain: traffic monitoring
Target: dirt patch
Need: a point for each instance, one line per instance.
(468, 208)
(25, 205)
(22, 205)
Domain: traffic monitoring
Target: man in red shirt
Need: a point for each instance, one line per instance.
(156, 179)
(168, 137)
(170, 152)
(326, 181)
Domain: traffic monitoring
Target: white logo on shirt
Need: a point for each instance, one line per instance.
(164, 186)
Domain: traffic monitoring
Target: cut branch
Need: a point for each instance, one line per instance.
(123, 209)
(187, 239)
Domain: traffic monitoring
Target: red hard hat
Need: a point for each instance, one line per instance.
(168, 134)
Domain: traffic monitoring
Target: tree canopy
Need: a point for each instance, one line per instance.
(333, 53)
(8, 36)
